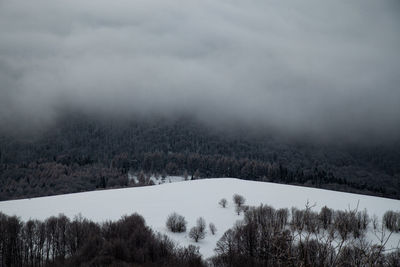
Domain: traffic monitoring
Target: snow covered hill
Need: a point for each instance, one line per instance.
(192, 199)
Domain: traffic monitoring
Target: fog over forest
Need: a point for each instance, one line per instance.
(323, 69)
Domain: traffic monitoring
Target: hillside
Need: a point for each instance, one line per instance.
(193, 199)
(81, 153)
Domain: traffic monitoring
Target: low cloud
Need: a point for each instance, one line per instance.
(316, 68)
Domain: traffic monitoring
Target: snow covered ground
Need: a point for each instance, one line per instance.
(157, 179)
(192, 199)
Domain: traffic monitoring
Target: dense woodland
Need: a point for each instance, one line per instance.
(79, 153)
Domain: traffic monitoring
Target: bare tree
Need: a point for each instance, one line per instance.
(176, 223)
(239, 200)
(212, 228)
(141, 178)
(223, 202)
(375, 221)
(196, 233)
(201, 224)
(282, 218)
(226, 246)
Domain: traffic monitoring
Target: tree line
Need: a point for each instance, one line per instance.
(283, 237)
(81, 153)
(42, 178)
(59, 241)
(265, 237)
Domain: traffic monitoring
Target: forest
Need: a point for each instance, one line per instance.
(82, 153)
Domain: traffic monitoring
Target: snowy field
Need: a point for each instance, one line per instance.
(193, 199)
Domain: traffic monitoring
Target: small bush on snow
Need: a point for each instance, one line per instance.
(176, 223)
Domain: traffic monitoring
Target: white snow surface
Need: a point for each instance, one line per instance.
(192, 199)
(157, 179)
(168, 179)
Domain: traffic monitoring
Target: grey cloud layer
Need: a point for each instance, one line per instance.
(310, 67)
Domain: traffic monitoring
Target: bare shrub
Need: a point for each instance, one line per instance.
(391, 220)
(297, 221)
(238, 200)
(342, 224)
(363, 219)
(176, 223)
(212, 228)
(223, 202)
(351, 222)
(311, 221)
(325, 217)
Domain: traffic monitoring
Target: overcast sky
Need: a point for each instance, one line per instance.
(323, 68)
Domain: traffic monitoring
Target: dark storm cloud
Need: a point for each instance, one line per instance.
(320, 68)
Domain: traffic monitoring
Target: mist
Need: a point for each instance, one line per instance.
(323, 69)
